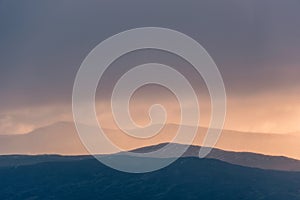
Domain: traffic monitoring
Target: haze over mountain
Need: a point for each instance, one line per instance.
(62, 138)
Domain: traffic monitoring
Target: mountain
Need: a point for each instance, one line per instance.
(23, 160)
(58, 138)
(62, 138)
(187, 178)
(246, 159)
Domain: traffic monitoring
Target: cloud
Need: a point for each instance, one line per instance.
(255, 44)
(27, 119)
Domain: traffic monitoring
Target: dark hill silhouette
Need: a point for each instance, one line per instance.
(187, 178)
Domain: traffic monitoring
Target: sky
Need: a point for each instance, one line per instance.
(254, 43)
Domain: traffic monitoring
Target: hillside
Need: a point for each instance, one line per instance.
(187, 178)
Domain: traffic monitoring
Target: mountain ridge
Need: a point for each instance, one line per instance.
(246, 159)
(62, 138)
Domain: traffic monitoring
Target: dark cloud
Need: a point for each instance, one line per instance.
(255, 43)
